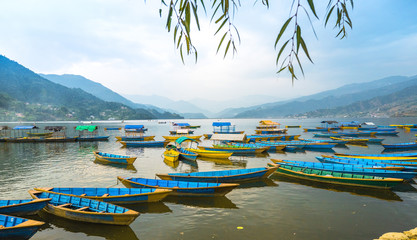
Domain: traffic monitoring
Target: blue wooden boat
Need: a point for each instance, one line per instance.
(338, 177)
(224, 176)
(113, 158)
(382, 133)
(327, 135)
(135, 138)
(271, 147)
(412, 163)
(413, 154)
(22, 207)
(85, 210)
(180, 188)
(351, 169)
(112, 128)
(271, 137)
(12, 227)
(387, 165)
(236, 150)
(113, 195)
(187, 155)
(408, 145)
(135, 128)
(92, 138)
(144, 143)
(316, 129)
(312, 145)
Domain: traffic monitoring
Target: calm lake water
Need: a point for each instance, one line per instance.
(278, 208)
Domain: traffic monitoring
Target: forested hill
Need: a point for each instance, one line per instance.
(399, 104)
(24, 95)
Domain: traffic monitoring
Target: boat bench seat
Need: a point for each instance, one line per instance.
(65, 205)
(1, 226)
(83, 208)
(82, 195)
(105, 195)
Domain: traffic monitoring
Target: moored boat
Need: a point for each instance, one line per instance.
(236, 149)
(171, 154)
(181, 188)
(224, 176)
(386, 156)
(408, 165)
(408, 145)
(22, 207)
(144, 143)
(188, 155)
(210, 154)
(338, 178)
(112, 195)
(85, 210)
(175, 137)
(12, 227)
(135, 138)
(113, 158)
(366, 163)
(351, 169)
(351, 139)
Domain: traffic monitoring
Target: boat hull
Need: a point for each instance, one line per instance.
(113, 159)
(210, 154)
(112, 195)
(144, 143)
(15, 228)
(235, 176)
(343, 179)
(60, 206)
(17, 208)
(185, 188)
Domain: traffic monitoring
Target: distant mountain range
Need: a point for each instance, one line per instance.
(339, 97)
(24, 95)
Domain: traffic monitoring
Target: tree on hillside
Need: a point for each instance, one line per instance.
(182, 15)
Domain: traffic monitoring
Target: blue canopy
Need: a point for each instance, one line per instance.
(24, 127)
(134, 126)
(221, 124)
(182, 124)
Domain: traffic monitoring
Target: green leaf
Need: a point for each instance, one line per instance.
(281, 50)
(299, 64)
(195, 15)
(220, 27)
(328, 16)
(227, 48)
(298, 31)
(303, 45)
(282, 30)
(221, 41)
(311, 4)
(182, 57)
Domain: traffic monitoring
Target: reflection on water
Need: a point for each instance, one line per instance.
(88, 147)
(109, 232)
(258, 183)
(129, 167)
(368, 192)
(235, 161)
(203, 202)
(152, 207)
(172, 164)
(192, 163)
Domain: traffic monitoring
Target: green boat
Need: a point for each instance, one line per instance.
(339, 178)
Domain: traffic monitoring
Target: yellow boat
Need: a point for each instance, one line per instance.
(346, 127)
(171, 155)
(210, 154)
(175, 137)
(351, 140)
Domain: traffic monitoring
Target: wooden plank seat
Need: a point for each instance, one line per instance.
(105, 195)
(83, 208)
(82, 195)
(65, 205)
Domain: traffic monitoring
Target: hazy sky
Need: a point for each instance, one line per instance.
(123, 44)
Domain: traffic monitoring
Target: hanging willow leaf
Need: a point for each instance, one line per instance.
(282, 30)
